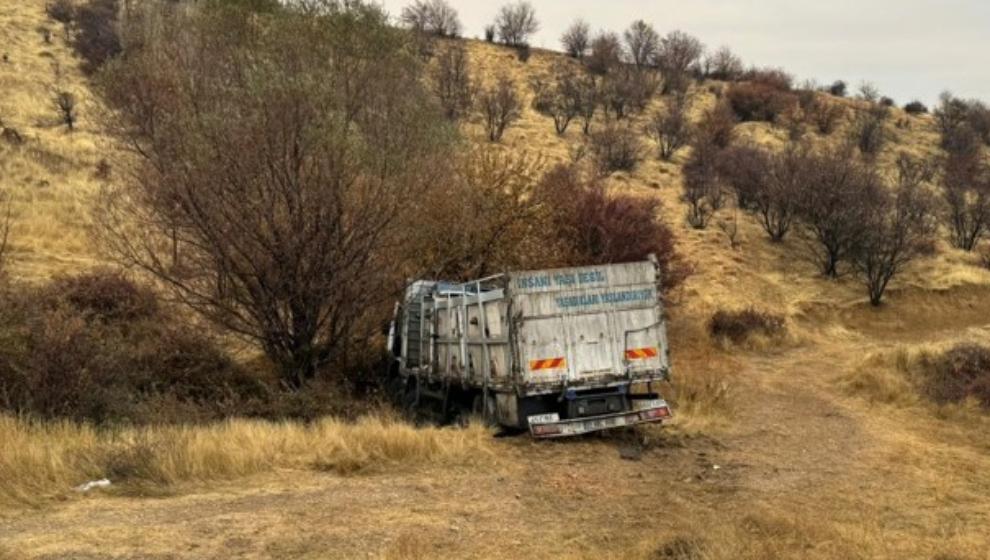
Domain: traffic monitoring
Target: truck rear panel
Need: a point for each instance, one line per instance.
(588, 327)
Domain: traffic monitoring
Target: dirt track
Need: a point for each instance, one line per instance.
(799, 451)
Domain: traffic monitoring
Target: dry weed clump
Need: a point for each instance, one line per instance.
(741, 326)
(42, 460)
(955, 379)
(958, 374)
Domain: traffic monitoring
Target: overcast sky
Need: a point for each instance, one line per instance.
(909, 48)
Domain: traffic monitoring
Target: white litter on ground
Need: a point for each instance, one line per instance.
(102, 483)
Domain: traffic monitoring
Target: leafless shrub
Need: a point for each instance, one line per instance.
(434, 17)
(452, 81)
(870, 130)
(561, 98)
(837, 193)
(277, 225)
(767, 184)
(490, 33)
(825, 115)
(774, 78)
(900, 227)
(590, 96)
(738, 326)
(61, 11)
(577, 39)
(838, 88)
(671, 128)
(678, 53)
(758, 101)
(98, 348)
(916, 108)
(478, 221)
(64, 103)
(606, 54)
(702, 188)
(627, 90)
(516, 23)
(616, 148)
(500, 107)
(966, 192)
(723, 65)
(717, 127)
(642, 43)
(96, 39)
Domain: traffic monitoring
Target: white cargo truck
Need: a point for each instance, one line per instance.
(556, 352)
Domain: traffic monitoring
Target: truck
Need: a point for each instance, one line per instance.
(557, 352)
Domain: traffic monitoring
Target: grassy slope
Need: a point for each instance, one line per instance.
(822, 449)
(51, 176)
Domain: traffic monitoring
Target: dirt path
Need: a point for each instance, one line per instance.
(797, 449)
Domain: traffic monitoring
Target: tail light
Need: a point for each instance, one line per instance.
(655, 413)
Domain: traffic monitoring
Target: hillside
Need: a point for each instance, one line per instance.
(810, 445)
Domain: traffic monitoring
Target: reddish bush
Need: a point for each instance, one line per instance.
(759, 101)
(774, 78)
(99, 348)
(596, 226)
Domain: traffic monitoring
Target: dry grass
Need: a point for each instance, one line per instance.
(51, 177)
(44, 460)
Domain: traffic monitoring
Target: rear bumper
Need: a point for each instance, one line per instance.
(657, 412)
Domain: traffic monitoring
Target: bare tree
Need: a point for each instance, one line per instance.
(606, 54)
(671, 128)
(452, 81)
(723, 65)
(434, 17)
(966, 192)
(627, 90)
(717, 126)
(590, 96)
(500, 106)
(702, 185)
(272, 167)
(677, 54)
(561, 97)
(577, 39)
(64, 103)
(516, 23)
(836, 193)
(900, 228)
(642, 43)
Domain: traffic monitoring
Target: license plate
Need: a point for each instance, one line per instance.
(544, 418)
(647, 405)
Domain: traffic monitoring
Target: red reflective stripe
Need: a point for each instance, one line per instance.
(642, 353)
(552, 363)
